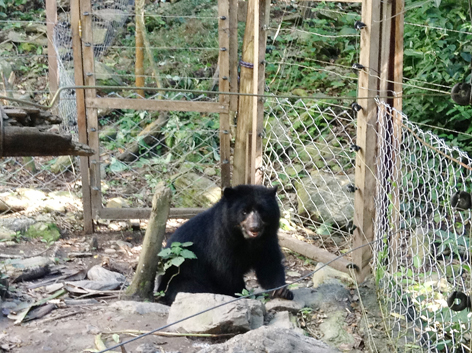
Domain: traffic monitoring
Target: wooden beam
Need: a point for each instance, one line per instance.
(264, 18)
(139, 40)
(255, 90)
(223, 64)
(368, 85)
(145, 104)
(315, 253)
(81, 117)
(245, 118)
(51, 20)
(145, 213)
(92, 118)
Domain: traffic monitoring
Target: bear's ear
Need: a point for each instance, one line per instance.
(229, 192)
(273, 190)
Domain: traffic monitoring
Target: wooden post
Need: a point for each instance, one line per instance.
(51, 20)
(224, 78)
(143, 280)
(92, 119)
(249, 126)
(233, 60)
(139, 65)
(368, 85)
(81, 117)
(264, 18)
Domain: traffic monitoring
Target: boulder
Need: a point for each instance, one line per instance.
(324, 197)
(270, 340)
(239, 316)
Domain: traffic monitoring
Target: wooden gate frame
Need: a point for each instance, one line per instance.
(88, 103)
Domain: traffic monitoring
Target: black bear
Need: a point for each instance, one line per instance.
(237, 234)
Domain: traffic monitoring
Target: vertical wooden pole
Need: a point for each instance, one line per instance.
(76, 28)
(398, 13)
(51, 20)
(224, 86)
(245, 117)
(368, 85)
(233, 58)
(255, 90)
(248, 143)
(139, 65)
(264, 19)
(92, 119)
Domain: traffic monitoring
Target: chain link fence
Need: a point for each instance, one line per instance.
(422, 252)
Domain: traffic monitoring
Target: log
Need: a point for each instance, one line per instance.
(30, 141)
(143, 280)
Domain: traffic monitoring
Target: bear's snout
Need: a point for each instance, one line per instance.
(252, 225)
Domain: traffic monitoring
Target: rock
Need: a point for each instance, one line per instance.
(283, 305)
(105, 75)
(328, 274)
(285, 320)
(270, 340)
(334, 331)
(18, 265)
(49, 232)
(300, 92)
(98, 273)
(328, 296)
(141, 308)
(209, 171)
(32, 194)
(13, 203)
(117, 202)
(324, 198)
(199, 191)
(6, 234)
(61, 164)
(53, 205)
(17, 224)
(147, 348)
(240, 316)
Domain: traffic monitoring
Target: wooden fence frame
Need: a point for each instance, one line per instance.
(381, 57)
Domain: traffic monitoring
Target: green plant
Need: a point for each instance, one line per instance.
(251, 295)
(175, 255)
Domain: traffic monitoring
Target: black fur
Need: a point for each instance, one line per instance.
(237, 234)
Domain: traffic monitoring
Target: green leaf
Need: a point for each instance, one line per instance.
(417, 262)
(186, 244)
(177, 261)
(165, 253)
(187, 254)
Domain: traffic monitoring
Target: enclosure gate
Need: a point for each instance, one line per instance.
(88, 104)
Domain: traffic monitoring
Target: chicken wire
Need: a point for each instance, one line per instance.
(422, 252)
(308, 154)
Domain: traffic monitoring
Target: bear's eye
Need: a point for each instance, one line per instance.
(244, 212)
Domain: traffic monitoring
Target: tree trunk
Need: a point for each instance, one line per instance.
(143, 280)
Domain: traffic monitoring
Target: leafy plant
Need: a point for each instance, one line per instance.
(175, 255)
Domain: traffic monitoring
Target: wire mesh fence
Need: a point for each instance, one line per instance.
(308, 155)
(422, 252)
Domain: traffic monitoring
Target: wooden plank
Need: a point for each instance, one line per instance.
(244, 123)
(139, 65)
(223, 63)
(144, 104)
(81, 117)
(315, 253)
(255, 90)
(51, 20)
(233, 57)
(399, 13)
(145, 213)
(368, 85)
(264, 18)
(92, 118)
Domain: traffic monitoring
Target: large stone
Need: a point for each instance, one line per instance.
(270, 340)
(20, 224)
(239, 316)
(325, 274)
(329, 296)
(199, 191)
(324, 197)
(49, 232)
(334, 331)
(141, 308)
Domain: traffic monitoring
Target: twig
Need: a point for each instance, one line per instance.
(8, 256)
(61, 317)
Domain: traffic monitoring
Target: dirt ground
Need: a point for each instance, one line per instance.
(74, 328)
